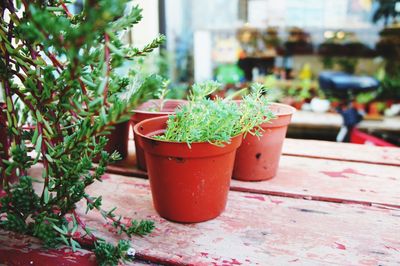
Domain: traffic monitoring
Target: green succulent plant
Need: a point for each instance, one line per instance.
(217, 121)
(61, 68)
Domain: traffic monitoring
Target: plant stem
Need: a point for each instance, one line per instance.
(65, 8)
(93, 238)
(107, 59)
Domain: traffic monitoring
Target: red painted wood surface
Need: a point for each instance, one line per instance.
(296, 147)
(24, 250)
(342, 151)
(330, 180)
(313, 178)
(335, 208)
(17, 249)
(257, 230)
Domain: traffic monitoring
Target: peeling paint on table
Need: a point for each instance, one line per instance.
(330, 207)
(256, 230)
(342, 152)
(330, 180)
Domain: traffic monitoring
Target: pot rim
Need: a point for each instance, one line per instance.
(290, 109)
(135, 129)
(144, 111)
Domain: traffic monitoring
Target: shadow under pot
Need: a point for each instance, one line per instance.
(258, 157)
(188, 184)
(151, 109)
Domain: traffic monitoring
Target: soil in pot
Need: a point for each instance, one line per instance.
(188, 184)
(258, 157)
(151, 109)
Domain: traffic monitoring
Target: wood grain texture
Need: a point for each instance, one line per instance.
(342, 151)
(330, 180)
(257, 230)
(320, 179)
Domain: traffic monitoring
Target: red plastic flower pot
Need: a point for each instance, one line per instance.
(188, 184)
(258, 158)
(118, 139)
(144, 112)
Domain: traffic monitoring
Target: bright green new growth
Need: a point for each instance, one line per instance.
(217, 121)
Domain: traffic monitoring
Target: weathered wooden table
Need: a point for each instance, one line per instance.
(329, 204)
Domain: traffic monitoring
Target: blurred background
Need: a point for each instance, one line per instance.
(288, 45)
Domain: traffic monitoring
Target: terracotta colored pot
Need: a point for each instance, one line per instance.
(188, 184)
(359, 106)
(258, 158)
(118, 140)
(144, 112)
(298, 104)
(375, 108)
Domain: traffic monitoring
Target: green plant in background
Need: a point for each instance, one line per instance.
(328, 62)
(366, 97)
(390, 85)
(205, 120)
(61, 67)
(386, 10)
(347, 64)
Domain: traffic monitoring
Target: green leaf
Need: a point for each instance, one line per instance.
(9, 104)
(64, 239)
(48, 157)
(115, 49)
(46, 195)
(38, 145)
(39, 116)
(74, 244)
(58, 229)
(35, 135)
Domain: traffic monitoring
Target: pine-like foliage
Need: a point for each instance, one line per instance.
(217, 121)
(59, 69)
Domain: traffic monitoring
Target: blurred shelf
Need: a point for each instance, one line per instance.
(311, 120)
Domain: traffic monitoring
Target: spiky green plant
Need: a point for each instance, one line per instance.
(61, 68)
(217, 121)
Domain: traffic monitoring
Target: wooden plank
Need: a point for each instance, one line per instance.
(16, 249)
(256, 230)
(342, 151)
(312, 120)
(319, 179)
(306, 119)
(330, 180)
(296, 147)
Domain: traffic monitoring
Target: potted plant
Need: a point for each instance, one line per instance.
(150, 109)
(363, 99)
(258, 157)
(61, 67)
(190, 155)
